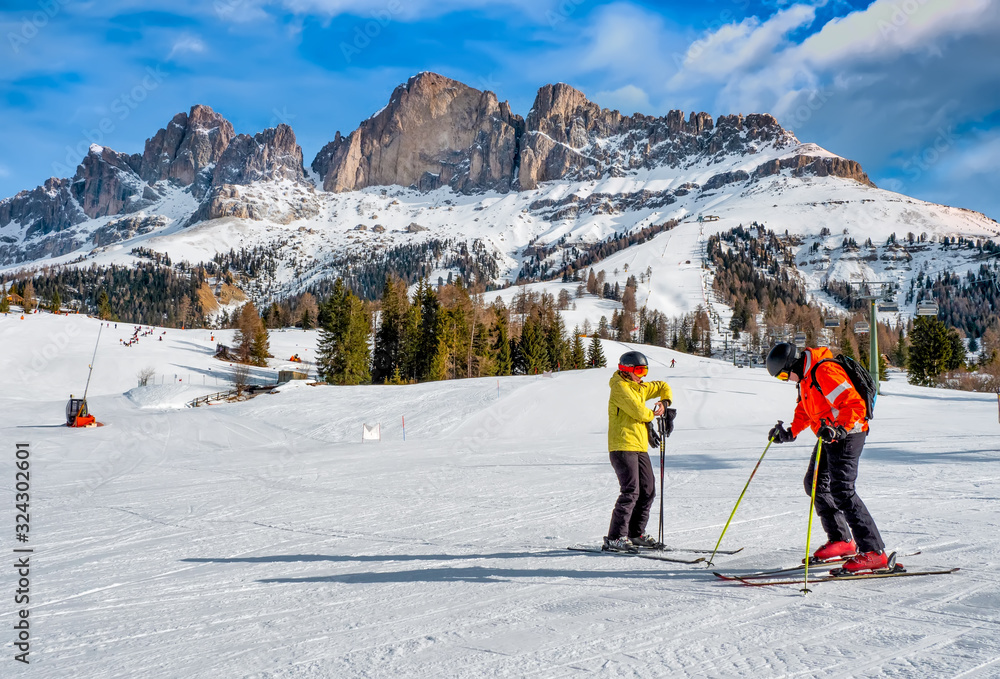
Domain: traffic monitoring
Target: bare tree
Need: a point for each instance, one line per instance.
(145, 375)
(241, 379)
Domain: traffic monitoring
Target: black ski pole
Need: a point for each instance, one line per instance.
(665, 423)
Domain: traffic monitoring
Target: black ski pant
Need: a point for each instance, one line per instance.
(837, 504)
(638, 490)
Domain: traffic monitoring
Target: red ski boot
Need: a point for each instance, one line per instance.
(869, 561)
(835, 551)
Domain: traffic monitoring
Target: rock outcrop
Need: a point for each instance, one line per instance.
(434, 132)
(107, 183)
(570, 137)
(271, 155)
(124, 228)
(186, 151)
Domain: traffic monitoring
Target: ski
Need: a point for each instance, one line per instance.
(818, 565)
(647, 554)
(692, 551)
(898, 573)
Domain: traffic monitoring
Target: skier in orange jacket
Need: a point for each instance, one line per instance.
(830, 405)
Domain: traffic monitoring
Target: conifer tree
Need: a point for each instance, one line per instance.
(595, 354)
(533, 347)
(4, 302)
(504, 364)
(388, 358)
(577, 355)
(343, 356)
(103, 305)
(930, 350)
(55, 303)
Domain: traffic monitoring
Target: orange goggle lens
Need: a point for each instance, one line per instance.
(783, 376)
(637, 370)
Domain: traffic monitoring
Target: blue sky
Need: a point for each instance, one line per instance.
(909, 88)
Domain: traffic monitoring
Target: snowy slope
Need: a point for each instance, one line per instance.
(263, 539)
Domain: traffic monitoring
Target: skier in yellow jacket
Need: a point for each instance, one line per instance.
(628, 444)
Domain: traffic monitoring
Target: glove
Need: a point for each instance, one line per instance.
(829, 433)
(779, 434)
(654, 436)
(666, 422)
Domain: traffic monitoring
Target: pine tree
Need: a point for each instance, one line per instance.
(555, 340)
(4, 302)
(958, 355)
(533, 347)
(55, 303)
(595, 354)
(388, 359)
(577, 355)
(103, 305)
(343, 356)
(501, 345)
(930, 350)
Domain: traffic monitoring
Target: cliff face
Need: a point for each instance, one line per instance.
(186, 150)
(434, 132)
(438, 132)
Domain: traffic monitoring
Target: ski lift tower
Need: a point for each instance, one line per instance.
(873, 292)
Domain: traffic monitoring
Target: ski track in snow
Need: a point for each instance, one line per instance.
(262, 539)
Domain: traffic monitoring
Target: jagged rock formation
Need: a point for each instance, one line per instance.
(438, 132)
(434, 132)
(187, 149)
(270, 155)
(124, 228)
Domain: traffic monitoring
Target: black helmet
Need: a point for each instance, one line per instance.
(631, 359)
(781, 359)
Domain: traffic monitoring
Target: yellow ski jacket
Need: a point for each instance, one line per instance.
(628, 414)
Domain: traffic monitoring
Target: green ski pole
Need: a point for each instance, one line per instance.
(812, 504)
(733, 513)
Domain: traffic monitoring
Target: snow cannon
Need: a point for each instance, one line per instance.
(77, 414)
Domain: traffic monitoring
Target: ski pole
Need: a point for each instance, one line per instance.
(663, 449)
(812, 504)
(740, 499)
(665, 423)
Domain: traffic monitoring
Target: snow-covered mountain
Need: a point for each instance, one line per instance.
(446, 163)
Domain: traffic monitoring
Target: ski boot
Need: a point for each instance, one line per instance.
(834, 551)
(621, 544)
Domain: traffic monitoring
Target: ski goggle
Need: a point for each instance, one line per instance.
(637, 370)
(783, 376)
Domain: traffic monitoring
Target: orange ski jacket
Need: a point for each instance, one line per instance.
(832, 397)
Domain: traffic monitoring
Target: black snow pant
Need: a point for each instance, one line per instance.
(839, 508)
(638, 490)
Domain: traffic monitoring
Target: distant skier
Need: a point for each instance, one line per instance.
(627, 445)
(672, 362)
(827, 395)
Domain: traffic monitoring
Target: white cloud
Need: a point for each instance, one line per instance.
(628, 99)
(737, 47)
(4, 171)
(186, 45)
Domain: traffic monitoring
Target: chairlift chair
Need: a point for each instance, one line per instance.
(800, 339)
(831, 322)
(927, 307)
(888, 307)
(862, 328)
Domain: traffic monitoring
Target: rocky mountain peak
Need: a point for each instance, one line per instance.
(434, 132)
(185, 151)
